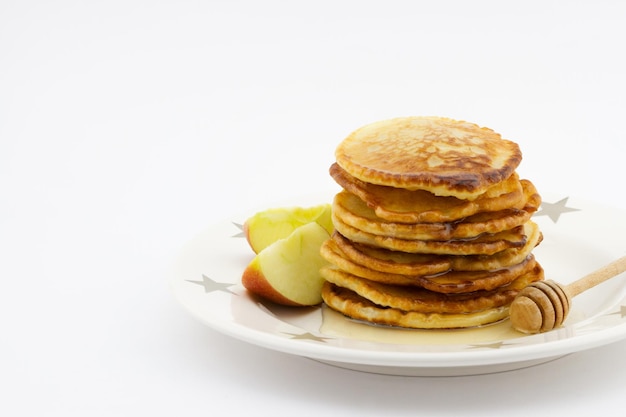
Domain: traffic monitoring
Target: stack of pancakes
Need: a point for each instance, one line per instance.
(433, 225)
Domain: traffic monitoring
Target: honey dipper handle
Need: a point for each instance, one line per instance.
(599, 276)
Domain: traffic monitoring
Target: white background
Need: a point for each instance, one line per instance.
(128, 126)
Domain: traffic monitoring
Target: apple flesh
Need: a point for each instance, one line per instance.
(287, 271)
(266, 227)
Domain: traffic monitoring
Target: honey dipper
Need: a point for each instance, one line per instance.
(544, 305)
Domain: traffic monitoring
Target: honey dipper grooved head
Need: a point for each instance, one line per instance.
(540, 307)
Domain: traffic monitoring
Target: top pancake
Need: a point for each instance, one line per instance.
(443, 156)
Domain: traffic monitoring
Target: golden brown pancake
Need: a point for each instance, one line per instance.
(504, 259)
(448, 281)
(433, 227)
(350, 255)
(333, 254)
(405, 206)
(396, 267)
(443, 156)
(353, 305)
(455, 282)
(352, 211)
(486, 244)
(425, 301)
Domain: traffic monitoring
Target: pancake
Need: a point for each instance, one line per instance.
(425, 301)
(333, 254)
(447, 281)
(352, 211)
(432, 228)
(352, 305)
(405, 206)
(350, 255)
(486, 244)
(455, 282)
(443, 156)
(393, 267)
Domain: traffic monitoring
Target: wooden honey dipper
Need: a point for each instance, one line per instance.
(544, 305)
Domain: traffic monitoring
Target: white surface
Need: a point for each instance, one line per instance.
(128, 126)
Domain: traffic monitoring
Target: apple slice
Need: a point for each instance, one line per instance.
(287, 271)
(266, 227)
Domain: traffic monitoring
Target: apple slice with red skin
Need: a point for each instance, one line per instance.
(287, 271)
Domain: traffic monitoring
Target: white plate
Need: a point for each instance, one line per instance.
(578, 238)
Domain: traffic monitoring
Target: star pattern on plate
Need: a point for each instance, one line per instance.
(554, 210)
(621, 312)
(307, 336)
(241, 232)
(212, 286)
